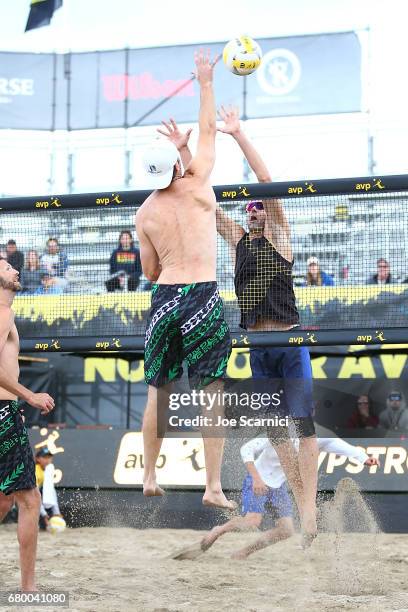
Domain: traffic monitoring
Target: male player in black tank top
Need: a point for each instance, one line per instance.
(264, 287)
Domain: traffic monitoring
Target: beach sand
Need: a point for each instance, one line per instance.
(121, 569)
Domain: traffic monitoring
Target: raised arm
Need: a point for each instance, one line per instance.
(229, 229)
(277, 225)
(203, 162)
(148, 256)
(179, 139)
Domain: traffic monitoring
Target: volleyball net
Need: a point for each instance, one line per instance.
(83, 288)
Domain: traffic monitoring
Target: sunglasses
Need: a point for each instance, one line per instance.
(257, 204)
(394, 397)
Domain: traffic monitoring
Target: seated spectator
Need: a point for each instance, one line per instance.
(44, 474)
(383, 276)
(49, 285)
(395, 416)
(30, 277)
(55, 262)
(362, 417)
(14, 257)
(316, 277)
(125, 264)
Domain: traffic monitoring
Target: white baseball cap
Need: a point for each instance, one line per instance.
(312, 260)
(158, 161)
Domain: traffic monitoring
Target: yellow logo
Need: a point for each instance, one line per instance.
(103, 344)
(243, 339)
(298, 190)
(55, 344)
(115, 199)
(364, 339)
(380, 335)
(311, 338)
(41, 346)
(296, 340)
(376, 183)
(47, 203)
(231, 195)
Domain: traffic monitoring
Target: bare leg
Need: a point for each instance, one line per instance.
(213, 451)
(308, 457)
(27, 531)
(151, 442)
(289, 461)
(284, 529)
(6, 504)
(251, 520)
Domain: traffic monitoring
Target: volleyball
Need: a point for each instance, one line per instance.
(242, 55)
(56, 524)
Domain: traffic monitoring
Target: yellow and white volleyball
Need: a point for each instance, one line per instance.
(242, 55)
(56, 524)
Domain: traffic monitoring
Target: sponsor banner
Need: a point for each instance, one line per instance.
(114, 459)
(298, 76)
(26, 91)
(360, 314)
(307, 75)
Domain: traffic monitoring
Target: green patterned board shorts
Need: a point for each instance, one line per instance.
(17, 466)
(186, 323)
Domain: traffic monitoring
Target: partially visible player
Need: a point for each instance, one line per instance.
(264, 491)
(44, 473)
(17, 468)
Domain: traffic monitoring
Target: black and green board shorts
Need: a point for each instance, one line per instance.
(186, 323)
(17, 466)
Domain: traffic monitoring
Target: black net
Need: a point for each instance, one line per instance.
(349, 267)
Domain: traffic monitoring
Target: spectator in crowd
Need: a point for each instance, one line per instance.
(55, 262)
(31, 275)
(49, 285)
(383, 275)
(14, 257)
(362, 417)
(3, 252)
(125, 263)
(44, 474)
(395, 416)
(315, 276)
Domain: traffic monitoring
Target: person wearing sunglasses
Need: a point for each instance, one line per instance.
(395, 416)
(266, 299)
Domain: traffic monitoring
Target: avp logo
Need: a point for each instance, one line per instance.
(47, 203)
(301, 339)
(379, 335)
(115, 343)
(115, 199)
(298, 190)
(279, 72)
(231, 195)
(375, 184)
(243, 339)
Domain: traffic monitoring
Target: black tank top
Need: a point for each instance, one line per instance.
(263, 283)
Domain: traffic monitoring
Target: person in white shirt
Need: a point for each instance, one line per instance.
(264, 490)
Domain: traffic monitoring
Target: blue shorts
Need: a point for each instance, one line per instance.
(276, 502)
(290, 367)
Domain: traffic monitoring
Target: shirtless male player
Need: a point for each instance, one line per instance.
(176, 227)
(17, 467)
(264, 288)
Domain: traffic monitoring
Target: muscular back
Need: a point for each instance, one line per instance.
(180, 224)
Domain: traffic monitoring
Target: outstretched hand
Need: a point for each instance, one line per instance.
(204, 66)
(230, 116)
(371, 461)
(172, 132)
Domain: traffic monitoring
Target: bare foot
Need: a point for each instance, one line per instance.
(309, 528)
(239, 555)
(218, 500)
(210, 538)
(190, 552)
(152, 489)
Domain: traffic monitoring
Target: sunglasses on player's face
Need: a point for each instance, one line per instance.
(258, 205)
